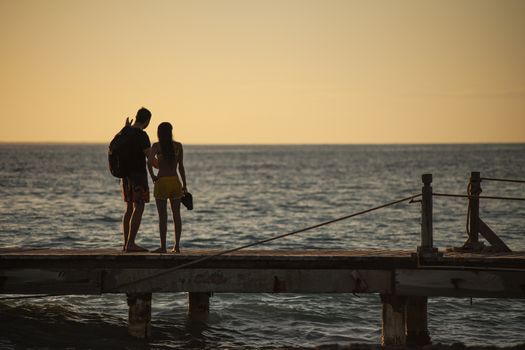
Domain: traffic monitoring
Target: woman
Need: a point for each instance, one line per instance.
(169, 157)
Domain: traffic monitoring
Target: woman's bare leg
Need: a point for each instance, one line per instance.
(177, 221)
(163, 224)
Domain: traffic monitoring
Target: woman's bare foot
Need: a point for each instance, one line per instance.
(159, 250)
(135, 248)
(175, 250)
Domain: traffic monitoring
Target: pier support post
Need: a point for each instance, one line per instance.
(475, 191)
(416, 321)
(139, 325)
(426, 248)
(393, 324)
(199, 305)
(404, 321)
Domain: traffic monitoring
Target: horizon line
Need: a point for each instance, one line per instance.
(276, 144)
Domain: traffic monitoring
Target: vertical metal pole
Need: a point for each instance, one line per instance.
(475, 191)
(426, 214)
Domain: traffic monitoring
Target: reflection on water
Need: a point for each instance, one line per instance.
(63, 196)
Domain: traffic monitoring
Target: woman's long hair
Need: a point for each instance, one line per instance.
(166, 140)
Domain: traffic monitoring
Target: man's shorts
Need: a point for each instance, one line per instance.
(167, 187)
(135, 188)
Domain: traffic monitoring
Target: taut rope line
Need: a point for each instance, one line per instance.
(178, 267)
(502, 180)
(480, 197)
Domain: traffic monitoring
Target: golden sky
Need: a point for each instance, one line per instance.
(268, 71)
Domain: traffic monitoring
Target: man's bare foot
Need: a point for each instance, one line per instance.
(175, 250)
(135, 248)
(159, 250)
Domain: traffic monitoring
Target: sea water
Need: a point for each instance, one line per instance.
(63, 196)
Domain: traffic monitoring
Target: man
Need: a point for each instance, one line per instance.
(135, 186)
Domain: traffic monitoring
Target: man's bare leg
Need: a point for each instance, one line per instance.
(177, 221)
(163, 224)
(136, 217)
(125, 223)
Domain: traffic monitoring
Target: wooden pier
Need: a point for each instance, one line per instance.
(404, 279)
(399, 276)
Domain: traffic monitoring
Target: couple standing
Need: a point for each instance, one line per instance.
(167, 156)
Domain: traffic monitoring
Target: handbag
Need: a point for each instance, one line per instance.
(187, 200)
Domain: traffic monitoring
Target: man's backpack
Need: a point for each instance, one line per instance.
(120, 153)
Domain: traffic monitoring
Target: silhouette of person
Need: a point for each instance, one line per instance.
(168, 154)
(135, 188)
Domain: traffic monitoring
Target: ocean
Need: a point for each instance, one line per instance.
(63, 196)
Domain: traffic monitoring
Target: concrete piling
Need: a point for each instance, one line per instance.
(404, 321)
(139, 322)
(393, 323)
(199, 305)
(416, 321)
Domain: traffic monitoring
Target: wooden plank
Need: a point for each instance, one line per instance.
(44, 281)
(251, 281)
(73, 271)
(492, 237)
(27, 253)
(245, 252)
(250, 259)
(460, 283)
(452, 282)
(314, 259)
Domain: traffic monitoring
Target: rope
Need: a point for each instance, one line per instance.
(503, 180)
(231, 250)
(480, 197)
(178, 267)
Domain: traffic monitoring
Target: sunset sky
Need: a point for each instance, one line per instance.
(268, 71)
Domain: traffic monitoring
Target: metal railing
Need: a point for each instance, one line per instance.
(474, 226)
